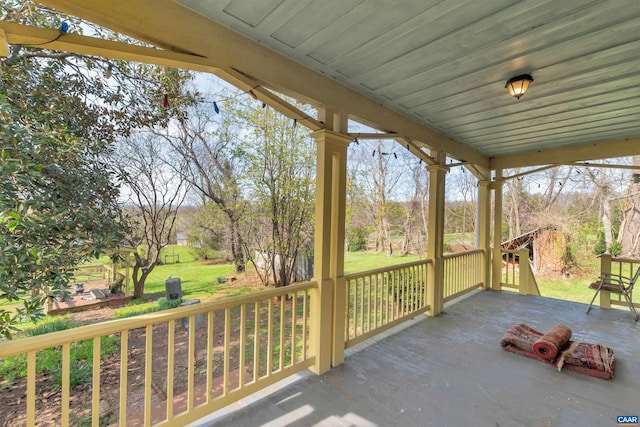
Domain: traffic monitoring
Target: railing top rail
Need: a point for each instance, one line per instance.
(89, 267)
(12, 348)
(510, 251)
(459, 254)
(359, 274)
(626, 260)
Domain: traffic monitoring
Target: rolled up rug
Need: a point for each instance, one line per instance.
(548, 346)
(521, 337)
(595, 360)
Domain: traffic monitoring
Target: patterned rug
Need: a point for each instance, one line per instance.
(590, 359)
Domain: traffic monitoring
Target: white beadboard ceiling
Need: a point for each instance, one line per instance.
(445, 63)
(432, 71)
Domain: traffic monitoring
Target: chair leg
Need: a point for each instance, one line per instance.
(634, 314)
(592, 300)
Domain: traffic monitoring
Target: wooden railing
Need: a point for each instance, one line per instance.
(90, 272)
(517, 273)
(510, 270)
(462, 273)
(176, 366)
(377, 300)
(170, 367)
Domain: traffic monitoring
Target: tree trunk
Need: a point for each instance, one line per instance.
(629, 236)
(606, 221)
(140, 274)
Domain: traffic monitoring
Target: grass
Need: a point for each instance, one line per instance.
(198, 278)
(572, 289)
(355, 262)
(204, 280)
(49, 360)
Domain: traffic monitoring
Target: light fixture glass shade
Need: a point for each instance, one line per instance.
(518, 85)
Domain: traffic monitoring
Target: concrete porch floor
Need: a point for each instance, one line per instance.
(451, 371)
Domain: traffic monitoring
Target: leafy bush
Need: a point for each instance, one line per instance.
(166, 304)
(357, 238)
(601, 247)
(615, 249)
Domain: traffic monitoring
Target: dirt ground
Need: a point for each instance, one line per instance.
(48, 402)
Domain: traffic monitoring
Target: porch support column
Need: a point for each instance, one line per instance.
(435, 242)
(605, 268)
(483, 230)
(328, 301)
(496, 276)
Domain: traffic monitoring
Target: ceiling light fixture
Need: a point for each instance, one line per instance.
(518, 85)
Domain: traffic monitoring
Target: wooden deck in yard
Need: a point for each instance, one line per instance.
(85, 302)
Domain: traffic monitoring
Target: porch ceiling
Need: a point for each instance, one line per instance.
(433, 71)
(450, 371)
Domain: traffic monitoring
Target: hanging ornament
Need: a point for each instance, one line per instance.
(215, 107)
(64, 27)
(165, 101)
(264, 105)
(108, 72)
(253, 95)
(295, 122)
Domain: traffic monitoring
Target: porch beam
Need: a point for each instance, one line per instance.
(601, 150)
(149, 21)
(374, 136)
(83, 45)
(4, 45)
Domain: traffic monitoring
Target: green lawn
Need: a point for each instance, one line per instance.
(573, 289)
(355, 262)
(199, 278)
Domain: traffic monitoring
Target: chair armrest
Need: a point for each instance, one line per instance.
(617, 280)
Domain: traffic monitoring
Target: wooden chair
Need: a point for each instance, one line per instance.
(616, 284)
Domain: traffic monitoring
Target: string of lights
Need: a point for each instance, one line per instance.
(62, 30)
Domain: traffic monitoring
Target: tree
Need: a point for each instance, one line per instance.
(60, 118)
(629, 237)
(58, 208)
(379, 181)
(278, 164)
(157, 191)
(210, 168)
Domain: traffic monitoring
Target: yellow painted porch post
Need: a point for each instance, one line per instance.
(605, 268)
(496, 276)
(328, 301)
(525, 274)
(435, 243)
(483, 232)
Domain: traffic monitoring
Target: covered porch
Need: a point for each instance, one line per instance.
(443, 99)
(451, 371)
